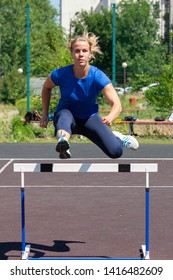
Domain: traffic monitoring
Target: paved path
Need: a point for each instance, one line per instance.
(81, 150)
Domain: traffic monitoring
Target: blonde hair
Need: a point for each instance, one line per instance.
(88, 37)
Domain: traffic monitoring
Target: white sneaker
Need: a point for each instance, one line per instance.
(127, 140)
(62, 147)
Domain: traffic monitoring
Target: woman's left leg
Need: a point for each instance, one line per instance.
(102, 136)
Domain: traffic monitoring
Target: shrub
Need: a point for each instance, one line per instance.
(161, 96)
(36, 104)
(12, 86)
(20, 130)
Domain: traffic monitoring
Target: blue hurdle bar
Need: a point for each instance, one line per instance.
(87, 168)
(147, 215)
(25, 248)
(23, 213)
(23, 219)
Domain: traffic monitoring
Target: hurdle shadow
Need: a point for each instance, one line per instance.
(37, 249)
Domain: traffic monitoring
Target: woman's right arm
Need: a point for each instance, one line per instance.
(46, 95)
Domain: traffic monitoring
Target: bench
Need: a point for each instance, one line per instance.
(129, 123)
(101, 111)
(137, 110)
(141, 122)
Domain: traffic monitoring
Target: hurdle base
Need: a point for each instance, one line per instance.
(25, 254)
(87, 259)
(145, 254)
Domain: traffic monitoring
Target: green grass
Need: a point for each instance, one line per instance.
(47, 136)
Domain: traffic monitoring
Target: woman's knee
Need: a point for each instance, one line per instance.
(64, 113)
(116, 151)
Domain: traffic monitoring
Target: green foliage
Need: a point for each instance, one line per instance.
(136, 27)
(98, 23)
(5, 130)
(47, 45)
(137, 41)
(161, 96)
(141, 80)
(12, 86)
(36, 104)
(47, 40)
(21, 131)
(148, 63)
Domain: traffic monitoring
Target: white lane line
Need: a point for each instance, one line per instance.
(160, 187)
(5, 166)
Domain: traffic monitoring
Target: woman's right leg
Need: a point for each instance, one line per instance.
(63, 122)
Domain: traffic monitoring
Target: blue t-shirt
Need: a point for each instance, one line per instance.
(79, 95)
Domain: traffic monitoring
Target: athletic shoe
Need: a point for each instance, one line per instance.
(62, 147)
(65, 154)
(127, 140)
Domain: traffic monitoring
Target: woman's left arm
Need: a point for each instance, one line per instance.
(113, 99)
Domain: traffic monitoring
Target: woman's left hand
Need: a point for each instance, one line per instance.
(107, 120)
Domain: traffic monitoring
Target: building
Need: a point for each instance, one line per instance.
(164, 8)
(69, 9)
(37, 85)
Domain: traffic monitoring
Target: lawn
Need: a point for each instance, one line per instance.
(146, 135)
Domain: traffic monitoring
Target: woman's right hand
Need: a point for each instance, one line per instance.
(44, 121)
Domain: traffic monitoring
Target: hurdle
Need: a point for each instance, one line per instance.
(86, 167)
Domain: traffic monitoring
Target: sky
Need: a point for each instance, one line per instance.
(55, 3)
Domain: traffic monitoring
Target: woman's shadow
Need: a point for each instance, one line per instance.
(37, 250)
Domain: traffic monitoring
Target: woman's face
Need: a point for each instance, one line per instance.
(81, 53)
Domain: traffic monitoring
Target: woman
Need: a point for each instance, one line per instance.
(77, 110)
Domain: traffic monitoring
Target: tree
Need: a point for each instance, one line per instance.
(100, 25)
(12, 86)
(137, 41)
(161, 96)
(47, 42)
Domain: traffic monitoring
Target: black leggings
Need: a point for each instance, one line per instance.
(93, 129)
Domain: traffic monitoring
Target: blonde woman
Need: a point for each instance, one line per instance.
(77, 111)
